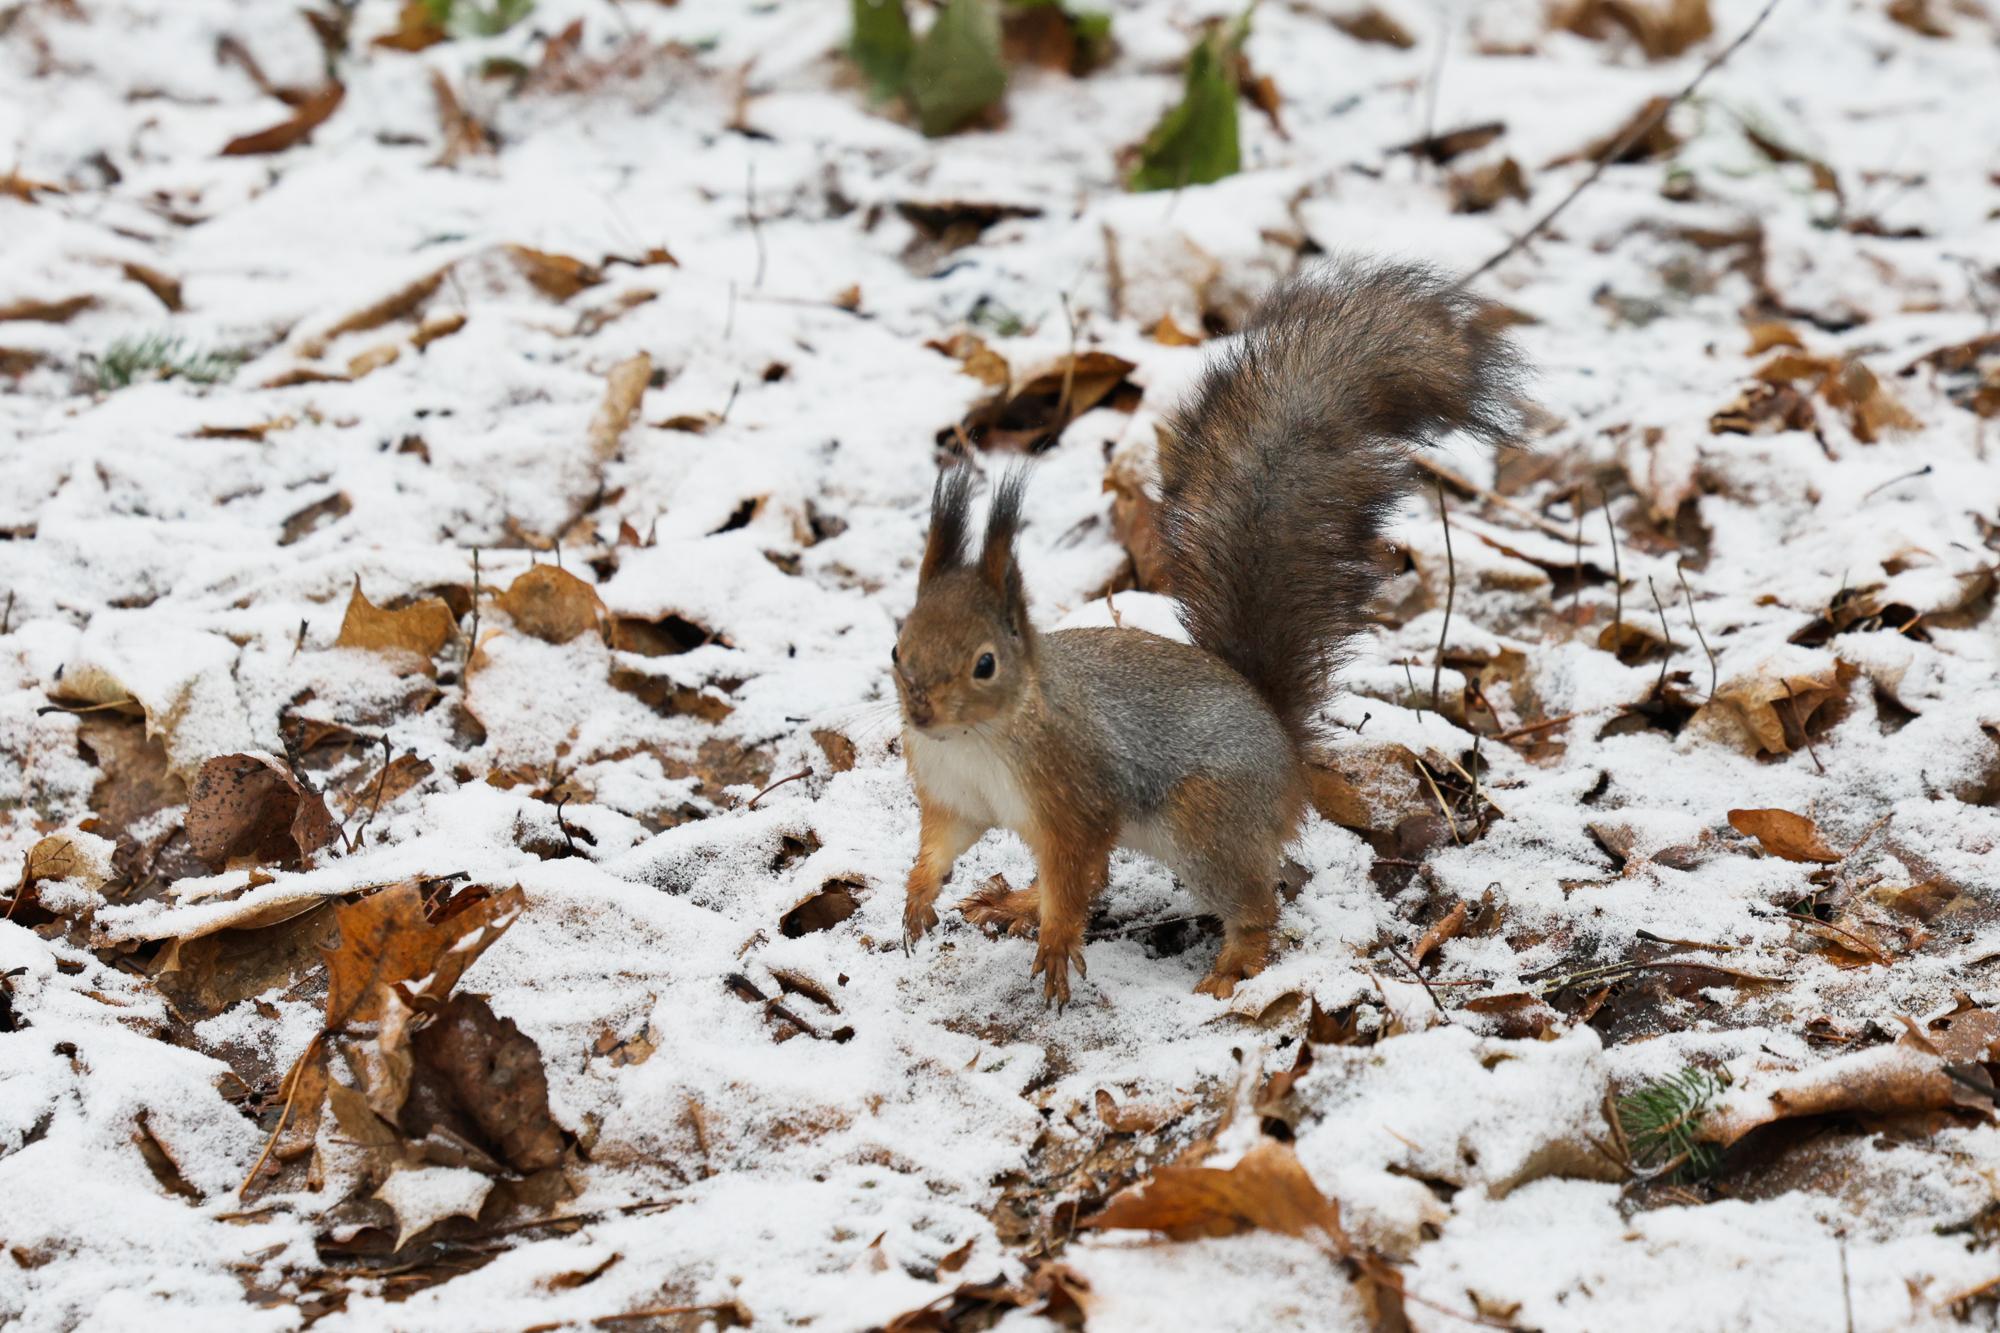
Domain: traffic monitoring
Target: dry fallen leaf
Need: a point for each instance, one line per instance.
(297, 128)
(558, 277)
(553, 604)
(624, 386)
(1772, 709)
(483, 1068)
(1782, 833)
(1267, 1190)
(252, 806)
(1910, 1075)
(420, 628)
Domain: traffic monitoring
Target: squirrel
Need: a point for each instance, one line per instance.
(1277, 477)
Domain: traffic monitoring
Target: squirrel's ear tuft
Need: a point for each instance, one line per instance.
(1003, 524)
(951, 504)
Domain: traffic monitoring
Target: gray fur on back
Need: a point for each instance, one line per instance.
(1160, 711)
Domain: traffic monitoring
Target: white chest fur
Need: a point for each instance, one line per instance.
(967, 775)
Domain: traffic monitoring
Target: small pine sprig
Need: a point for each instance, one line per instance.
(160, 356)
(1660, 1120)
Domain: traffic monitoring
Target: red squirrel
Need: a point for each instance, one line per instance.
(1276, 479)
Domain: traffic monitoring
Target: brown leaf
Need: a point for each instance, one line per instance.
(556, 276)
(975, 358)
(305, 118)
(1133, 511)
(1171, 334)
(314, 516)
(1446, 928)
(839, 750)
(434, 327)
(46, 312)
(490, 1072)
(623, 388)
(1442, 148)
(1773, 710)
(1480, 189)
(1782, 833)
(208, 974)
(1886, 1080)
(403, 301)
(1766, 334)
(385, 940)
(250, 805)
(420, 628)
(416, 27)
(167, 289)
(1663, 28)
(1656, 141)
(553, 605)
(1267, 1190)
(1372, 25)
(831, 904)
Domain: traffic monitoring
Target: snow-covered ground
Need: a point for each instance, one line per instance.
(771, 1113)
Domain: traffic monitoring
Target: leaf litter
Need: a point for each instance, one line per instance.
(450, 952)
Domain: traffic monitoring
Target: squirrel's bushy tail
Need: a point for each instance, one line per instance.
(1279, 472)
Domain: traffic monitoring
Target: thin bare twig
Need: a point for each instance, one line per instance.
(756, 223)
(1530, 728)
(1667, 656)
(1069, 368)
(1680, 572)
(1431, 87)
(802, 773)
(1617, 580)
(297, 1077)
(1640, 129)
(1576, 570)
(1450, 596)
(1422, 980)
(1799, 721)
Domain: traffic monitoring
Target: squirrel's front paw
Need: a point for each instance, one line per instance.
(919, 915)
(1052, 959)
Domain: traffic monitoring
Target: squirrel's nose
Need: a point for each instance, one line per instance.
(919, 707)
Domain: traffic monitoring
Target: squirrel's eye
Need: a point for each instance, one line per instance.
(895, 655)
(983, 668)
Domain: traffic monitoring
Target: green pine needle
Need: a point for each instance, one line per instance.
(161, 356)
(1660, 1121)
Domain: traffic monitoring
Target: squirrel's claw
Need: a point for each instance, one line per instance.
(1052, 964)
(918, 918)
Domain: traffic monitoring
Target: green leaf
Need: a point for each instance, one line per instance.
(1195, 142)
(956, 71)
(881, 44)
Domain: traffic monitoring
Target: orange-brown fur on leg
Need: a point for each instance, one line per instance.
(1075, 863)
(1236, 875)
(944, 838)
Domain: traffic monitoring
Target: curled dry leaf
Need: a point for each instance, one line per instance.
(403, 301)
(553, 605)
(251, 806)
(1914, 1074)
(623, 388)
(558, 277)
(1848, 386)
(1268, 1190)
(1133, 512)
(1772, 708)
(1782, 833)
(420, 628)
(306, 117)
(1663, 28)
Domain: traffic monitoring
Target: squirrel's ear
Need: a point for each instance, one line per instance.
(951, 502)
(1003, 523)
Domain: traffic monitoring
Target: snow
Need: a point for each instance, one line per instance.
(822, 1181)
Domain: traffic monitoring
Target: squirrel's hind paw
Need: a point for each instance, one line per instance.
(1052, 961)
(1239, 960)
